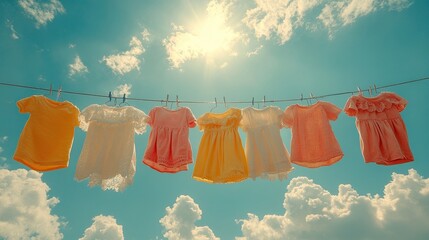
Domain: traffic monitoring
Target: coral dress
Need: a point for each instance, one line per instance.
(169, 149)
(266, 154)
(313, 142)
(382, 132)
(220, 157)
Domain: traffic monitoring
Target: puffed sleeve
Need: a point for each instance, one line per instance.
(331, 110)
(140, 121)
(26, 105)
(288, 116)
(151, 118)
(399, 102)
(192, 121)
(86, 116)
(350, 108)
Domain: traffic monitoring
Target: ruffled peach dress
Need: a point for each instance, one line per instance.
(382, 132)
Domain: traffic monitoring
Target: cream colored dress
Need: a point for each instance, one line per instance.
(108, 156)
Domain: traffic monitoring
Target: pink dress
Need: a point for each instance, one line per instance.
(169, 149)
(313, 143)
(382, 132)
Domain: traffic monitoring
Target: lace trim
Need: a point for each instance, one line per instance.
(110, 114)
(117, 183)
(378, 104)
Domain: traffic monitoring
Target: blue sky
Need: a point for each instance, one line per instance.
(202, 50)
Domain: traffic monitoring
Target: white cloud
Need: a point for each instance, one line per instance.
(212, 37)
(278, 17)
(72, 45)
(314, 213)
(42, 11)
(255, 51)
(13, 33)
(25, 209)
(337, 14)
(3, 165)
(77, 67)
(127, 61)
(179, 221)
(282, 17)
(145, 34)
(103, 227)
(122, 89)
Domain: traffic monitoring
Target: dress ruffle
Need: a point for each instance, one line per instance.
(220, 119)
(378, 104)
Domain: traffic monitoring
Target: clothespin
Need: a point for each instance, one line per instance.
(215, 101)
(370, 90)
(375, 89)
(123, 98)
(359, 90)
(177, 101)
(302, 97)
(224, 101)
(166, 101)
(264, 101)
(50, 89)
(253, 101)
(110, 96)
(59, 92)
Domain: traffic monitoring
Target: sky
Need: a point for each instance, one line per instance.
(202, 51)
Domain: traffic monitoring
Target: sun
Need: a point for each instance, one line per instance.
(214, 35)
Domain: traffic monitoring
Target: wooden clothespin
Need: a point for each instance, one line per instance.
(253, 101)
(166, 101)
(177, 101)
(50, 89)
(59, 92)
(224, 101)
(123, 98)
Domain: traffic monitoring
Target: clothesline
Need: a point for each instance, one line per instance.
(177, 101)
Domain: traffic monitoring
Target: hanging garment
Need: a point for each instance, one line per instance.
(382, 132)
(220, 157)
(266, 154)
(313, 142)
(47, 137)
(108, 156)
(169, 149)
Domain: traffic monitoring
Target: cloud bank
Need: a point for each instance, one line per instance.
(179, 221)
(25, 209)
(314, 213)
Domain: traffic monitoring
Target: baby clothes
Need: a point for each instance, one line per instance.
(47, 137)
(313, 143)
(382, 132)
(266, 154)
(169, 149)
(108, 156)
(220, 157)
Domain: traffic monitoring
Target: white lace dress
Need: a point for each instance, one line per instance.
(108, 156)
(266, 154)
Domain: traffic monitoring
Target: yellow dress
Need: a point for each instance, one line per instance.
(220, 157)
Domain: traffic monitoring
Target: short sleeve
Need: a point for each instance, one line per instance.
(399, 102)
(190, 118)
(85, 117)
(151, 118)
(140, 121)
(350, 108)
(331, 110)
(288, 116)
(201, 122)
(75, 116)
(26, 105)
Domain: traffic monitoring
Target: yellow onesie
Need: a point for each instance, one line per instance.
(46, 139)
